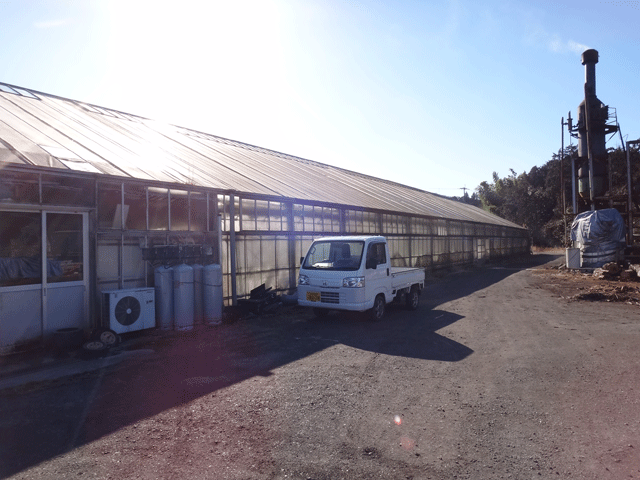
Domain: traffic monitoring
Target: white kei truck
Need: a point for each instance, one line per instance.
(355, 273)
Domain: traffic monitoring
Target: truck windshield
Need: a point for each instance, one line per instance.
(334, 255)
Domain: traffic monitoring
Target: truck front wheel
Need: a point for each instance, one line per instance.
(413, 299)
(377, 312)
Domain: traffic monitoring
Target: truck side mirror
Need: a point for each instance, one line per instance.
(301, 260)
(371, 263)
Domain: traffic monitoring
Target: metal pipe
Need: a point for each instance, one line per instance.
(574, 199)
(587, 105)
(564, 216)
(589, 60)
(630, 229)
(232, 249)
(629, 199)
(169, 210)
(121, 267)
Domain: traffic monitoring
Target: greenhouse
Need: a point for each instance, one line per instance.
(104, 197)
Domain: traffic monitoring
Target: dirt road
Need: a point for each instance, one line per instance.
(494, 376)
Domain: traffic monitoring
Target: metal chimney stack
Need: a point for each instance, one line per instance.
(589, 60)
(592, 129)
(592, 113)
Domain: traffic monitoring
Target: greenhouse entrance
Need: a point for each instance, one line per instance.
(39, 297)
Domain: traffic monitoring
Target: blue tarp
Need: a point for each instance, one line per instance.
(26, 267)
(599, 230)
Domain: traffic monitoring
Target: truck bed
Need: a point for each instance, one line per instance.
(402, 277)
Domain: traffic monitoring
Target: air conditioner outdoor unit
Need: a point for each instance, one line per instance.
(129, 310)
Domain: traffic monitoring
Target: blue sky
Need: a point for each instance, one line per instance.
(433, 94)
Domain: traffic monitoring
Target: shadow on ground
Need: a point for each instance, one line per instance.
(41, 423)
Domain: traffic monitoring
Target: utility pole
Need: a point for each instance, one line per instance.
(629, 198)
(574, 199)
(562, 199)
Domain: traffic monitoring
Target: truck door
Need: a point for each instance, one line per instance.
(377, 270)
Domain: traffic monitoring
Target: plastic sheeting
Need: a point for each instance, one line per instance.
(14, 268)
(599, 230)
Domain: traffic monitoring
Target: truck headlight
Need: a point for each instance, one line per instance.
(353, 282)
(303, 280)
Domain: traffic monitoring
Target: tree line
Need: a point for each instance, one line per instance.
(533, 199)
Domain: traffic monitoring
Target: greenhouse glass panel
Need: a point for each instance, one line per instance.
(179, 210)
(302, 245)
(198, 211)
(354, 221)
(134, 265)
(439, 246)
(404, 227)
(220, 202)
(308, 218)
(269, 278)
(334, 214)
(19, 188)
(468, 244)
(253, 254)
(317, 215)
(107, 260)
(21, 249)
(237, 219)
(262, 215)
(64, 247)
(358, 221)
(71, 191)
(371, 223)
(241, 254)
(298, 217)
(135, 204)
(158, 208)
(282, 280)
(389, 224)
(282, 252)
(248, 214)
(277, 217)
(267, 253)
(455, 228)
(420, 246)
(468, 229)
(109, 200)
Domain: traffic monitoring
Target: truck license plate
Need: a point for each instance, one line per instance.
(313, 296)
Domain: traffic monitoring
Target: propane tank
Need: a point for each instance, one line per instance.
(163, 281)
(183, 297)
(198, 299)
(212, 290)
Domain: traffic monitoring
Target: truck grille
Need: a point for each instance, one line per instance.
(330, 297)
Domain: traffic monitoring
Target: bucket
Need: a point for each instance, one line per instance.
(572, 257)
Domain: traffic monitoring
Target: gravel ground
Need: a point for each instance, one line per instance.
(498, 374)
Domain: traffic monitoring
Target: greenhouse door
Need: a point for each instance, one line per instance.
(38, 297)
(65, 285)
